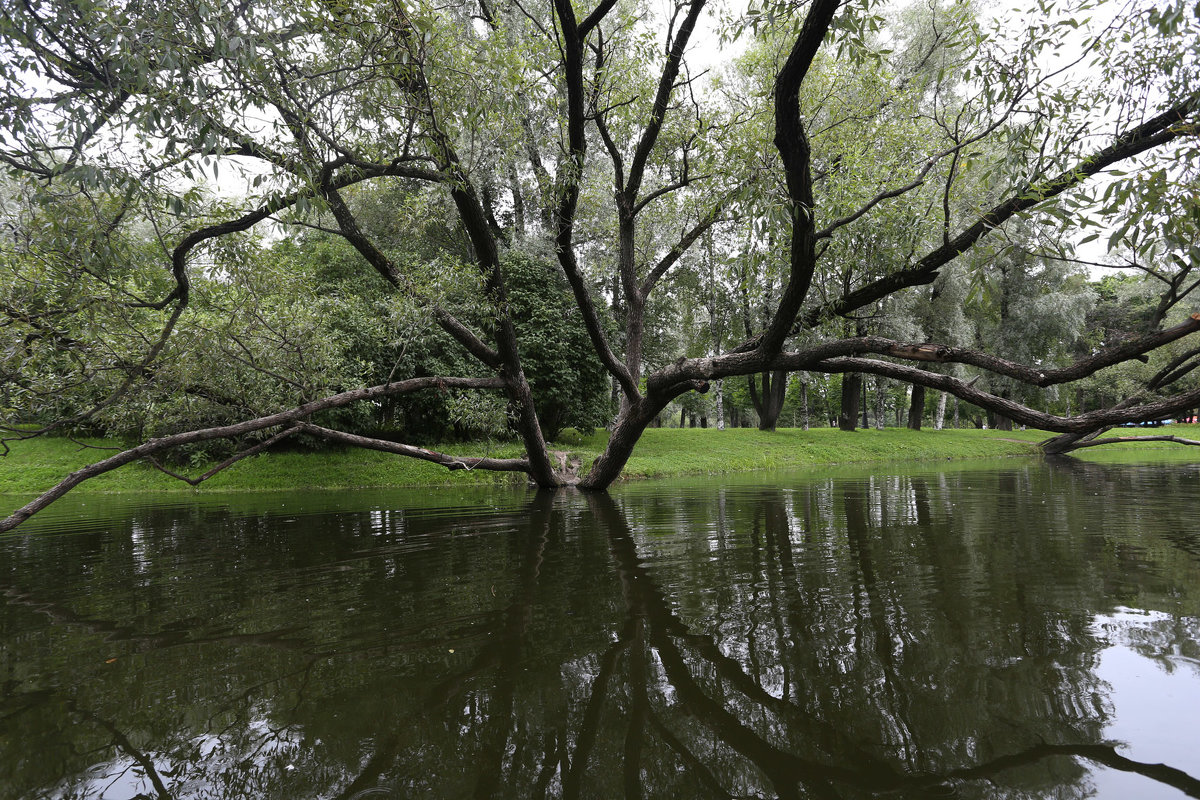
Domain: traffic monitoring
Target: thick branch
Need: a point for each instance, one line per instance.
(1018, 413)
(292, 416)
(568, 200)
(937, 353)
(351, 231)
(1177, 368)
(1176, 123)
(450, 462)
(689, 238)
(1163, 129)
(792, 144)
(666, 86)
(229, 462)
(1127, 439)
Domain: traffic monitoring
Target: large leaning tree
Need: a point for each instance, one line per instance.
(580, 134)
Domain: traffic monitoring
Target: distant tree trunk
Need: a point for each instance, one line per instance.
(916, 408)
(851, 393)
(716, 328)
(939, 418)
(770, 402)
(683, 418)
(719, 388)
(704, 420)
(518, 202)
(997, 421)
(880, 396)
(804, 403)
(862, 384)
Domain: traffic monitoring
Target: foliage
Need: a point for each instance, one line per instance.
(398, 179)
(570, 385)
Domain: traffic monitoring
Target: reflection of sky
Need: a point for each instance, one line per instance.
(260, 746)
(1154, 676)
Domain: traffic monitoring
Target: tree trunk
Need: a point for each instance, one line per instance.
(939, 417)
(851, 393)
(862, 387)
(770, 402)
(804, 404)
(720, 405)
(635, 310)
(916, 408)
(880, 396)
(518, 202)
(997, 421)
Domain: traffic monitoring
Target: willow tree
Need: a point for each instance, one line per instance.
(539, 122)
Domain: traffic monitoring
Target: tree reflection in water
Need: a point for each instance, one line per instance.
(888, 637)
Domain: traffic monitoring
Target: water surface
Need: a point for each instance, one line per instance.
(1020, 630)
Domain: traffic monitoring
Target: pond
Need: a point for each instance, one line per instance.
(1012, 630)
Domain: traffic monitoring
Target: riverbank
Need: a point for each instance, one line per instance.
(36, 465)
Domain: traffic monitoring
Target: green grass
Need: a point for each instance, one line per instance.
(33, 466)
(37, 464)
(664, 452)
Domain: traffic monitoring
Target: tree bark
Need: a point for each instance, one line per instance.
(916, 408)
(880, 396)
(291, 417)
(939, 417)
(720, 404)
(863, 401)
(804, 404)
(769, 403)
(851, 393)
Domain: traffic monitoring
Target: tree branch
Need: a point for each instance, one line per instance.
(351, 231)
(290, 417)
(681, 247)
(792, 144)
(1163, 129)
(570, 182)
(1024, 415)
(938, 353)
(666, 86)
(227, 463)
(450, 462)
(1127, 439)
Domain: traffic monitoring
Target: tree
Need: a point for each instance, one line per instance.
(112, 106)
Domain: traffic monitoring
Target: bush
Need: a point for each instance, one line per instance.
(570, 437)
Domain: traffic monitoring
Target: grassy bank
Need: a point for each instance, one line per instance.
(36, 465)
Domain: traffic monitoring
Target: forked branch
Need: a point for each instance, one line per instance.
(291, 417)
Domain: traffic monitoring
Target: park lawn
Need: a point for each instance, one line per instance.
(663, 452)
(35, 465)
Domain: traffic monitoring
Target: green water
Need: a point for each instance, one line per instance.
(1018, 630)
